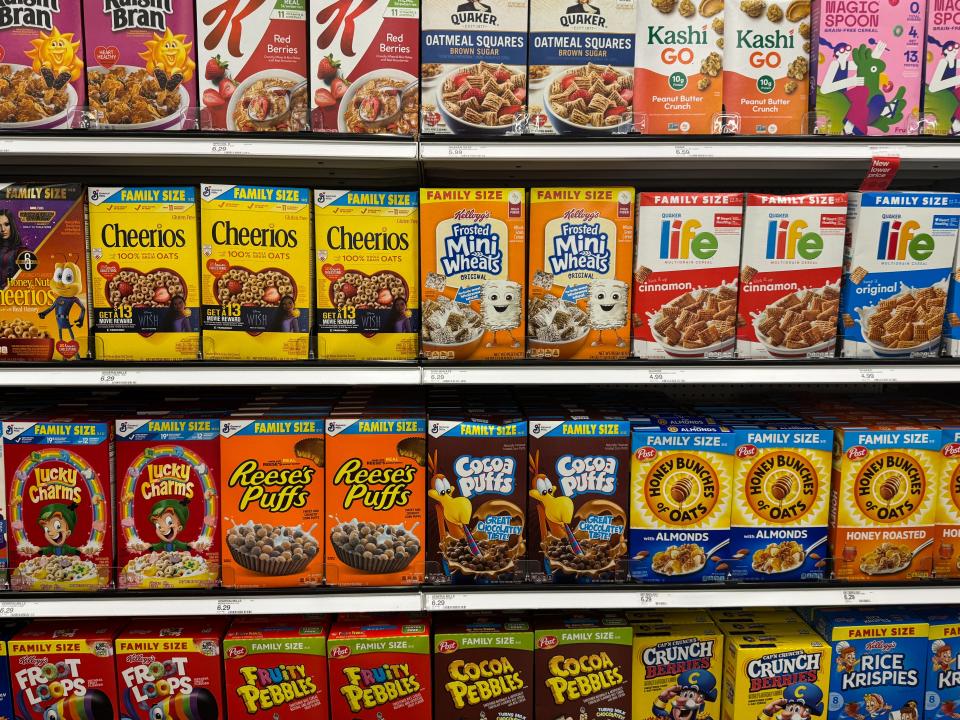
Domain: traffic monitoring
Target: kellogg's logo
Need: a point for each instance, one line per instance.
(857, 452)
(474, 12)
(547, 642)
(645, 453)
(583, 12)
(340, 651)
(881, 645)
(236, 653)
(746, 451)
(447, 646)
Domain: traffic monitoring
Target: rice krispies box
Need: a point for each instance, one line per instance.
(899, 253)
(941, 86)
(942, 694)
(685, 276)
(168, 502)
(145, 276)
(790, 275)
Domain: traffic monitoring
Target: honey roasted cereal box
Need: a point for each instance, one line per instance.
(472, 248)
(43, 273)
(145, 276)
(942, 677)
(59, 483)
(581, 247)
(368, 304)
(946, 546)
(257, 272)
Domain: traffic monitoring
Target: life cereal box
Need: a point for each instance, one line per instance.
(941, 88)
(472, 248)
(170, 668)
(168, 502)
(42, 51)
(687, 269)
(897, 264)
(257, 272)
(886, 488)
(943, 676)
(252, 61)
(581, 247)
(364, 64)
(141, 64)
(368, 304)
(272, 497)
(581, 66)
(145, 276)
(681, 488)
(43, 273)
(474, 66)
(790, 275)
(59, 480)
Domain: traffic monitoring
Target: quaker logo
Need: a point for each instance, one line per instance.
(473, 247)
(474, 12)
(583, 12)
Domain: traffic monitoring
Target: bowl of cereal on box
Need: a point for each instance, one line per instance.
(266, 95)
(907, 323)
(125, 97)
(557, 328)
(272, 549)
(484, 98)
(451, 330)
(27, 103)
(699, 323)
(589, 99)
(801, 324)
(376, 96)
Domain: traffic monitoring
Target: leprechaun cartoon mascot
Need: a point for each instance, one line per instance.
(169, 517)
(799, 702)
(58, 521)
(694, 688)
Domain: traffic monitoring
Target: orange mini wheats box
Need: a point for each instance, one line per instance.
(581, 252)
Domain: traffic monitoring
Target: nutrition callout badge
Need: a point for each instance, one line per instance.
(890, 486)
(781, 485)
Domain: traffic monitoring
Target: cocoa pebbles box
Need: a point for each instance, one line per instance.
(790, 275)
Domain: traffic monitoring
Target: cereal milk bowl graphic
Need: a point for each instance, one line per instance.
(266, 95)
(557, 328)
(907, 323)
(483, 98)
(374, 547)
(272, 549)
(28, 103)
(451, 327)
(374, 98)
(700, 323)
(801, 324)
(473, 553)
(125, 97)
(589, 99)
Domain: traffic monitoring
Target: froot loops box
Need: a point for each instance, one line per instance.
(943, 676)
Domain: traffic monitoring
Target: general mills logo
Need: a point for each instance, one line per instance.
(207, 191)
(94, 195)
(583, 12)
(474, 12)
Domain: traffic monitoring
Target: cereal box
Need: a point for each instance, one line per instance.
(276, 668)
(43, 273)
(367, 278)
(950, 346)
(253, 61)
(483, 666)
(581, 66)
(168, 502)
(375, 477)
(900, 251)
(681, 487)
(689, 267)
(257, 273)
(581, 245)
(472, 248)
(379, 668)
(678, 70)
(59, 481)
(943, 677)
(145, 280)
(43, 65)
(865, 73)
(941, 86)
(474, 66)
(64, 670)
(364, 63)
(272, 498)
(790, 275)
(886, 488)
(141, 64)
(8, 629)
(170, 668)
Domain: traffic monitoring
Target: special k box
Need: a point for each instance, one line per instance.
(581, 246)
(790, 275)
(685, 274)
(472, 245)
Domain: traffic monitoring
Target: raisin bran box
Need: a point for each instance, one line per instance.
(170, 668)
(943, 677)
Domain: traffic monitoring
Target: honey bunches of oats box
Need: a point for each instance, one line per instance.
(943, 677)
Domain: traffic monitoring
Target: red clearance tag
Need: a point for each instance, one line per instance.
(883, 169)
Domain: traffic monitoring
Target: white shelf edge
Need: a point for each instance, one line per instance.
(217, 376)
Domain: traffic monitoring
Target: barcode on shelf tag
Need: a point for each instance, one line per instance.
(445, 376)
(445, 601)
(16, 610)
(233, 607)
(116, 377)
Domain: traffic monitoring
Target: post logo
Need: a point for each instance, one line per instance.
(791, 241)
(682, 240)
(899, 238)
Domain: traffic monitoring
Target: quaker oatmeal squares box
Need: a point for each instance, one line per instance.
(168, 502)
(688, 268)
(790, 275)
(943, 678)
(472, 248)
(474, 66)
(941, 88)
(59, 482)
(257, 272)
(897, 264)
(141, 64)
(581, 66)
(367, 277)
(253, 64)
(581, 246)
(145, 276)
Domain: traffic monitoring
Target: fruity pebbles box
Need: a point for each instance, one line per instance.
(943, 678)
(146, 266)
(257, 273)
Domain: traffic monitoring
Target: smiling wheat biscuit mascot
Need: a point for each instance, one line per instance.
(607, 307)
(500, 306)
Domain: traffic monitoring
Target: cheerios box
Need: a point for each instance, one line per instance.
(899, 256)
(472, 250)
(145, 273)
(367, 248)
(943, 678)
(790, 275)
(685, 275)
(579, 260)
(257, 272)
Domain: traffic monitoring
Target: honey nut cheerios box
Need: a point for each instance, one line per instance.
(368, 286)
(256, 273)
(145, 274)
(580, 254)
(943, 679)
(472, 246)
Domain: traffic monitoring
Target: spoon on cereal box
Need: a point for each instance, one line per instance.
(372, 105)
(273, 104)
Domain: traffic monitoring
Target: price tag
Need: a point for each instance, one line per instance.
(16, 610)
(228, 147)
(858, 597)
(116, 377)
(465, 151)
(659, 375)
(444, 601)
(445, 376)
(876, 375)
(232, 607)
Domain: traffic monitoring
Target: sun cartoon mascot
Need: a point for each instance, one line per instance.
(694, 688)
(55, 58)
(168, 58)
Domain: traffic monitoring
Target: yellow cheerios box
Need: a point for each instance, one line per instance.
(257, 272)
(145, 262)
(368, 303)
